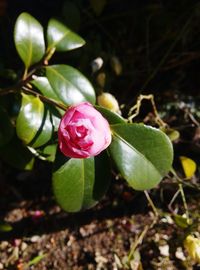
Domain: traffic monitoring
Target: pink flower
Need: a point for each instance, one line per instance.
(83, 132)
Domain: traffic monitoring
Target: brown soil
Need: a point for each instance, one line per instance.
(45, 237)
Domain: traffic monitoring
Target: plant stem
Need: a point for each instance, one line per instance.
(140, 238)
(184, 200)
(151, 203)
(180, 185)
(27, 90)
(137, 242)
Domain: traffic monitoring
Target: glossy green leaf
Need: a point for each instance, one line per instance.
(48, 152)
(143, 155)
(42, 84)
(78, 183)
(6, 128)
(70, 85)
(17, 155)
(29, 39)
(61, 37)
(33, 125)
(113, 118)
(45, 131)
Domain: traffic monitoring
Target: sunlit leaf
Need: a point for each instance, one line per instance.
(69, 85)
(61, 37)
(142, 154)
(29, 39)
(33, 125)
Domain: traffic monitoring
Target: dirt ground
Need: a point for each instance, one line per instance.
(105, 237)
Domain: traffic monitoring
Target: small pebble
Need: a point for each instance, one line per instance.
(35, 238)
(4, 245)
(23, 246)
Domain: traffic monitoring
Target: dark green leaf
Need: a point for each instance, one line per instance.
(33, 125)
(29, 39)
(6, 128)
(61, 37)
(70, 85)
(78, 184)
(142, 154)
(113, 118)
(17, 155)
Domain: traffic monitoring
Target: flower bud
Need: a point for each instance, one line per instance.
(83, 132)
(109, 102)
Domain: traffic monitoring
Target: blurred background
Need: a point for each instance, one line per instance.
(146, 46)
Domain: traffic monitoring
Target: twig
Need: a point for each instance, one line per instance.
(137, 106)
(27, 90)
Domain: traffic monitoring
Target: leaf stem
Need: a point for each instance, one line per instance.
(151, 203)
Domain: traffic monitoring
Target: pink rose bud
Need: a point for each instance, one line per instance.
(83, 132)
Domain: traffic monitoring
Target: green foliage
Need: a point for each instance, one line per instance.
(33, 125)
(29, 39)
(61, 37)
(80, 183)
(142, 154)
(70, 86)
(136, 150)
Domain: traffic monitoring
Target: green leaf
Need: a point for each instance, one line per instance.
(113, 118)
(6, 128)
(80, 183)
(29, 39)
(17, 155)
(33, 125)
(5, 227)
(61, 37)
(182, 221)
(45, 131)
(48, 152)
(142, 154)
(70, 85)
(42, 84)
